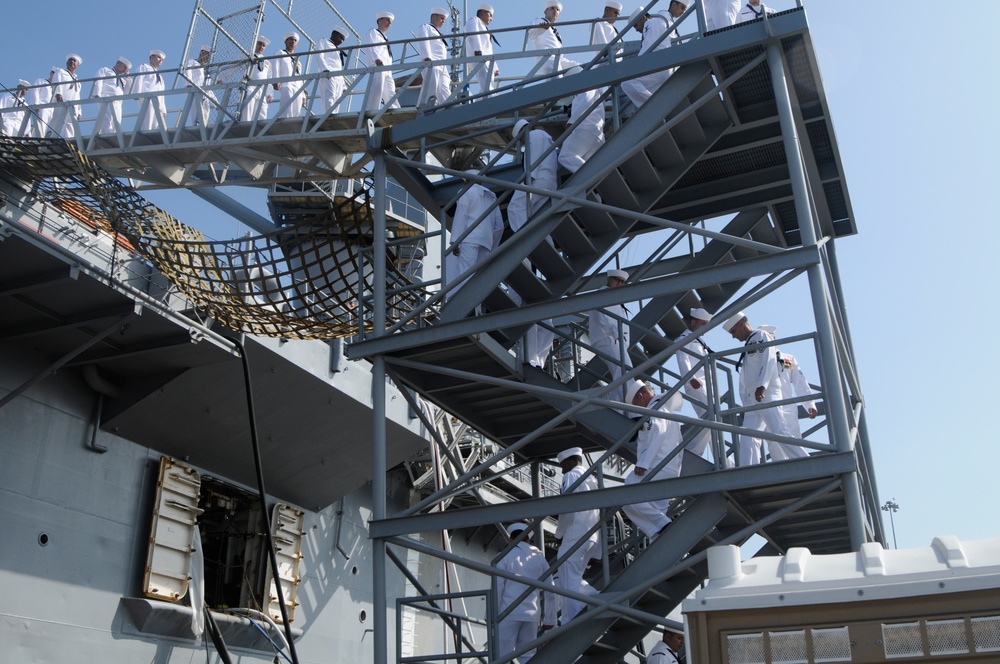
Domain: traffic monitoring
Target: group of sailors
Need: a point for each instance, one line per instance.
(765, 375)
(270, 79)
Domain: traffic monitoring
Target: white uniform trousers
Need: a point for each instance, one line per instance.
(649, 517)
(771, 420)
(639, 90)
(109, 117)
(571, 578)
(40, 123)
(291, 100)
(579, 146)
(781, 451)
(537, 340)
(609, 346)
(469, 255)
(383, 88)
(330, 91)
(515, 633)
(484, 74)
(436, 85)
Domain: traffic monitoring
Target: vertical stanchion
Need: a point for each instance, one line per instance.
(379, 606)
(829, 365)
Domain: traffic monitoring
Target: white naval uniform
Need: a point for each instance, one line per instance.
(545, 37)
(661, 654)
(721, 13)
(479, 39)
(539, 174)
(485, 235)
(587, 135)
(760, 368)
(571, 528)
(110, 84)
(603, 332)
(640, 89)
(255, 102)
(751, 13)
(201, 105)
(383, 88)
(41, 118)
(793, 383)
(291, 97)
(687, 358)
(436, 79)
(521, 624)
(150, 80)
(331, 88)
(65, 84)
(658, 437)
(602, 33)
(13, 120)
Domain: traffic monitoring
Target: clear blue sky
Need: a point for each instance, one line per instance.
(914, 97)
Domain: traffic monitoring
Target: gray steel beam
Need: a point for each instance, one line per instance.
(814, 467)
(234, 209)
(680, 283)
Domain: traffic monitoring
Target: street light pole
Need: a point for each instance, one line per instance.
(891, 507)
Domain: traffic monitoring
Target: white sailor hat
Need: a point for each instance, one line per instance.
(611, 4)
(290, 35)
(553, 3)
(514, 527)
(21, 83)
(701, 314)
(440, 11)
(639, 11)
(204, 48)
(485, 8)
(388, 15)
(519, 125)
(618, 274)
(733, 320)
(125, 61)
(571, 452)
(74, 56)
(341, 30)
(261, 39)
(633, 389)
(159, 53)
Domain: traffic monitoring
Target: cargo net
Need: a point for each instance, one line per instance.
(298, 282)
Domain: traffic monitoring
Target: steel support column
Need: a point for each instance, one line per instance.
(829, 365)
(379, 602)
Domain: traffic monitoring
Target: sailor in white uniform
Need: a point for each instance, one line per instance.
(39, 95)
(753, 10)
(332, 61)
(667, 651)
(653, 27)
(378, 53)
(257, 97)
(759, 383)
(545, 37)
(148, 79)
(521, 624)
(479, 43)
(658, 437)
(586, 117)
(112, 82)
(721, 13)
(287, 64)
(66, 88)
(197, 72)
(14, 121)
(602, 328)
(572, 528)
(690, 355)
(793, 384)
(604, 31)
(432, 46)
(487, 228)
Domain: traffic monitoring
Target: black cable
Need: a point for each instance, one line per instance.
(220, 643)
(271, 554)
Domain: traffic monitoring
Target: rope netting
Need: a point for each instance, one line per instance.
(302, 281)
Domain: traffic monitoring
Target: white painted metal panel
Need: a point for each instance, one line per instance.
(171, 539)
